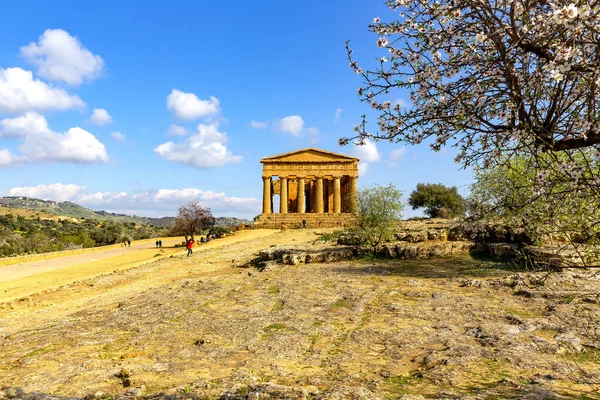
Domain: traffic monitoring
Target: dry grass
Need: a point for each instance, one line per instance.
(24, 212)
(202, 324)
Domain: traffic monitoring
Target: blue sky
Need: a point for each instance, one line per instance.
(92, 93)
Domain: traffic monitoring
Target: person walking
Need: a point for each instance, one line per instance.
(189, 245)
(157, 244)
(160, 244)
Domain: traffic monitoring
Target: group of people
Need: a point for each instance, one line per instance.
(158, 244)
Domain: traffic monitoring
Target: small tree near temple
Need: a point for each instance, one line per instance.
(378, 210)
(439, 201)
(191, 219)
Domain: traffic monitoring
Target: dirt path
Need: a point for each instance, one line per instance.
(21, 270)
(19, 281)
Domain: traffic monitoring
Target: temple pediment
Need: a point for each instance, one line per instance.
(309, 155)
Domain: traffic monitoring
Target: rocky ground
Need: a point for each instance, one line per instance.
(202, 327)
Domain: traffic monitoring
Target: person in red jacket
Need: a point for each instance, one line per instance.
(189, 245)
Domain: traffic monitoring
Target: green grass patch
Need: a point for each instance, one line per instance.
(329, 236)
(403, 384)
(273, 290)
(277, 326)
(546, 333)
(340, 303)
(38, 352)
(278, 306)
(522, 312)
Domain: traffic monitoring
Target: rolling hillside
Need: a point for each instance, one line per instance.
(73, 210)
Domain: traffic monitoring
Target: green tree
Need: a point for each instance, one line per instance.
(438, 200)
(379, 208)
(109, 232)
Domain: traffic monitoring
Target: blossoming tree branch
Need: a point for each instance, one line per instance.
(492, 78)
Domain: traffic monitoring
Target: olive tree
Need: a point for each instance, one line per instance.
(378, 210)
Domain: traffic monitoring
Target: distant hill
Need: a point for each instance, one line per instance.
(73, 210)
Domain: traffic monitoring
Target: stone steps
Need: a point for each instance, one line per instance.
(294, 220)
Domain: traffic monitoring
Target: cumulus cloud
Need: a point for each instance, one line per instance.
(338, 116)
(258, 125)
(177, 130)
(59, 56)
(293, 124)
(8, 159)
(118, 136)
(55, 191)
(29, 123)
(40, 143)
(189, 107)
(367, 152)
(100, 117)
(397, 153)
(19, 92)
(151, 203)
(204, 149)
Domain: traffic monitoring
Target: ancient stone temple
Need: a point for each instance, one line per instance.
(310, 184)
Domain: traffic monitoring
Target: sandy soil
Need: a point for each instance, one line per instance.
(353, 329)
(24, 279)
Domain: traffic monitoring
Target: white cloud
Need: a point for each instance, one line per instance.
(118, 136)
(40, 143)
(19, 92)
(188, 106)
(312, 130)
(367, 152)
(177, 130)
(390, 164)
(204, 149)
(151, 203)
(8, 159)
(397, 153)
(29, 123)
(258, 124)
(338, 116)
(363, 167)
(55, 191)
(293, 124)
(59, 56)
(100, 117)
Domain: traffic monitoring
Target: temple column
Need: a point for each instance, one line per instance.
(319, 196)
(266, 194)
(300, 197)
(283, 195)
(353, 195)
(337, 195)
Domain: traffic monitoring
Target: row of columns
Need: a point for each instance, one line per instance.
(319, 209)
